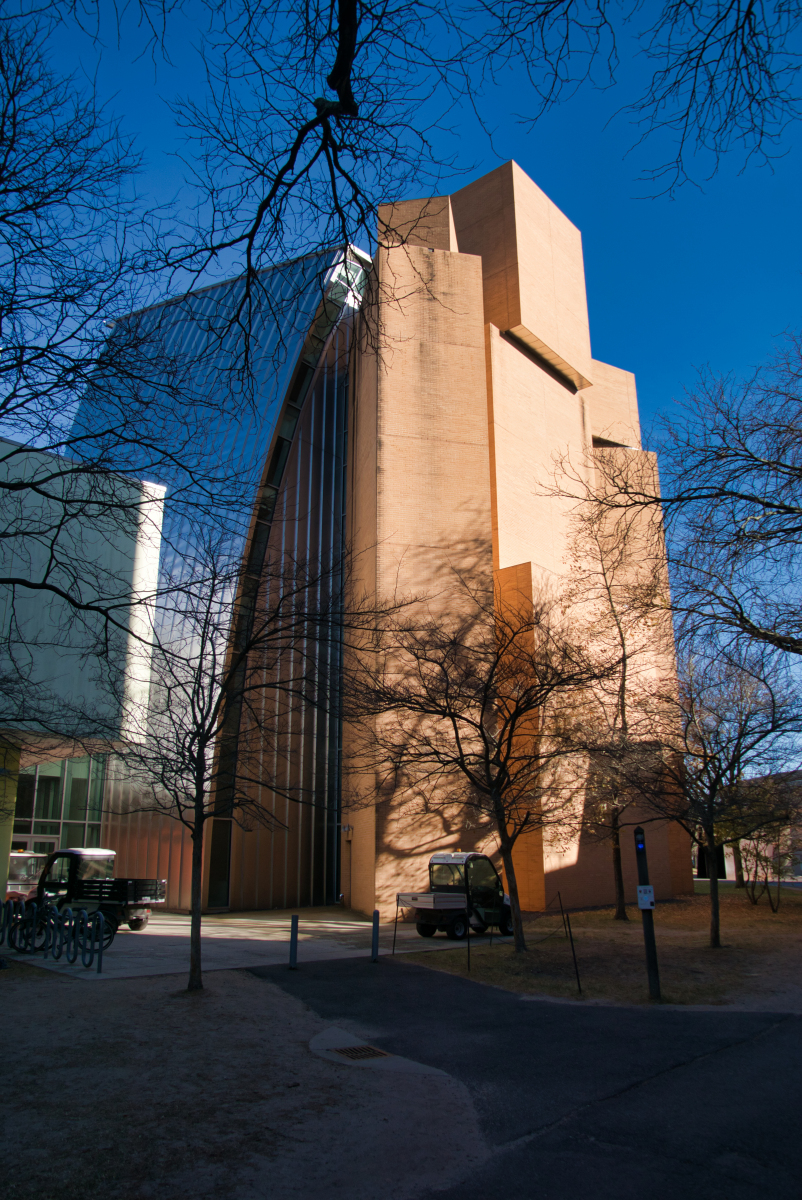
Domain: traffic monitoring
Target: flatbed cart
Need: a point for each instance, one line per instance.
(83, 880)
(464, 891)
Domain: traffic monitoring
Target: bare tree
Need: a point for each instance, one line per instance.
(718, 76)
(735, 469)
(208, 704)
(736, 719)
(618, 592)
(731, 470)
(97, 393)
(468, 716)
(279, 168)
(313, 114)
(73, 242)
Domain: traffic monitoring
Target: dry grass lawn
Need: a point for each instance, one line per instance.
(759, 965)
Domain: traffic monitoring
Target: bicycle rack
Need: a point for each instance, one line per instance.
(62, 933)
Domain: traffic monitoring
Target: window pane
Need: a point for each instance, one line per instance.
(24, 868)
(48, 792)
(48, 827)
(76, 791)
(26, 785)
(219, 863)
(447, 875)
(96, 788)
(71, 836)
(59, 871)
(92, 835)
(44, 847)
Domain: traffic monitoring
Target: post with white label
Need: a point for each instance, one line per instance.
(646, 906)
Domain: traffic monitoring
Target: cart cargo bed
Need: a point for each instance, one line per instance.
(431, 900)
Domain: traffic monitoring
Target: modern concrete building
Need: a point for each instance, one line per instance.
(411, 419)
(479, 372)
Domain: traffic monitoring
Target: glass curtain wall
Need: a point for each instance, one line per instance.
(296, 862)
(59, 804)
(201, 403)
(234, 370)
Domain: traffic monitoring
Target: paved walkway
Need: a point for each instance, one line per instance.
(255, 939)
(576, 1100)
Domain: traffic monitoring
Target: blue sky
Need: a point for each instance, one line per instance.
(709, 278)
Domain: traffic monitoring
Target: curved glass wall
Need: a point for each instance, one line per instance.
(192, 390)
(238, 383)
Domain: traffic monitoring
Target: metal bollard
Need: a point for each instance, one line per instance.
(374, 942)
(294, 943)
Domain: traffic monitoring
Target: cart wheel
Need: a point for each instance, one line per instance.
(505, 924)
(136, 923)
(425, 930)
(457, 929)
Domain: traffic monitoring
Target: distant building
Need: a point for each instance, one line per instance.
(61, 525)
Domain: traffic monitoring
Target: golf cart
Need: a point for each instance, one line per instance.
(452, 902)
(84, 879)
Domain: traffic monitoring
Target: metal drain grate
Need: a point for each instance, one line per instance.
(361, 1052)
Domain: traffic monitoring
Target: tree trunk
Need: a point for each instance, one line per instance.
(618, 872)
(195, 977)
(712, 870)
(740, 882)
(512, 884)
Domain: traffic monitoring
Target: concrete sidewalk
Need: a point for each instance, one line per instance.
(258, 939)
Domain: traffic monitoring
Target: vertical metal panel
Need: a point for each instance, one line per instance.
(297, 865)
(148, 845)
(300, 865)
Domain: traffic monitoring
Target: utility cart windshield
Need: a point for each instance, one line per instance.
(446, 875)
(96, 867)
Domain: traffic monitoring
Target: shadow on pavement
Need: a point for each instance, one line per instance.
(575, 1101)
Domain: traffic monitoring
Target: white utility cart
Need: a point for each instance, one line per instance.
(463, 888)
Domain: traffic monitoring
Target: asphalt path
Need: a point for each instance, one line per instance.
(581, 1100)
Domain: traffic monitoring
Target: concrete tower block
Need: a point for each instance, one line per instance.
(533, 274)
(427, 222)
(420, 507)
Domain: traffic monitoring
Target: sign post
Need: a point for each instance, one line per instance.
(646, 906)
